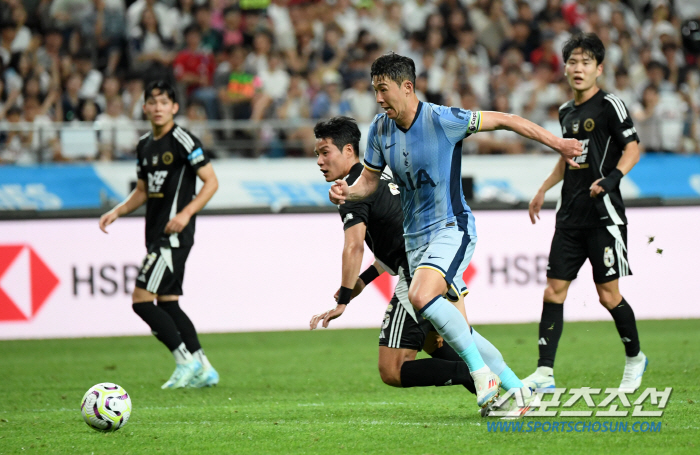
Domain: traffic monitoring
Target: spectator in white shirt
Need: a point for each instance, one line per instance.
(24, 35)
(275, 79)
(360, 102)
(118, 135)
(415, 13)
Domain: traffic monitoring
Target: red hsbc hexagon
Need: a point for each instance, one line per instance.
(25, 282)
(386, 286)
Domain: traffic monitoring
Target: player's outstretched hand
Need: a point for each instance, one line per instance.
(339, 192)
(596, 189)
(107, 219)
(177, 223)
(327, 317)
(569, 149)
(536, 206)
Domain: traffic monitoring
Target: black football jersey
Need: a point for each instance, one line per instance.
(382, 214)
(169, 167)
(604, 127)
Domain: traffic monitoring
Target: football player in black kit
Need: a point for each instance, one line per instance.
(169, 161)
(378, 220)
(590, 220)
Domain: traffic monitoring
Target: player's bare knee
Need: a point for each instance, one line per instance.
(419, 299)
(608, 299)
(390, 374)
(141, 295)
(554, 295)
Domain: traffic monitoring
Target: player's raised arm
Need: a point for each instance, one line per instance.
(211, 184)
(567, 148)
(134, 200)
(556, 176)
(366, 184)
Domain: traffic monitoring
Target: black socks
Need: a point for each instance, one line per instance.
(436, 372)
(160, 322)
(551, 326)
(627, 327)
(183, 323)
(169, 324)
(445, 368)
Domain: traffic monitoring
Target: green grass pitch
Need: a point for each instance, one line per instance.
(319, 392)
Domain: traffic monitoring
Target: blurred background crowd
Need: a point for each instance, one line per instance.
(254, 75)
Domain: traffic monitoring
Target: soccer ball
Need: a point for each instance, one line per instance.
(106, 407)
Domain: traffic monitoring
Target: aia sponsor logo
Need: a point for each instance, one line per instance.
(25, 282)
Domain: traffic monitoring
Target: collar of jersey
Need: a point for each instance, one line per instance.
(404, 131)
(576, 106)
(354, 173)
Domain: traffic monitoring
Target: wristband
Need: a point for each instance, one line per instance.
(344, 295)
(612, 181)
(369, 275)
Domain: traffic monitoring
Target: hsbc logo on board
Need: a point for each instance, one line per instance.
(26, 282)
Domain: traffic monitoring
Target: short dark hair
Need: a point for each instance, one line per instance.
(395, 67)
(192, 28)
(589, 43)
(14, 110)
(162, 87)
(341, 130)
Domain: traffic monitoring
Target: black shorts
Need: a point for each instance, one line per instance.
(163, 270)
(605, 247)
(399, 329)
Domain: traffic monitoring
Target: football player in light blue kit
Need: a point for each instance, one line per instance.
(422, 145)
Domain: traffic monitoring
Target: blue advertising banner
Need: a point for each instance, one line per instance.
(294, 182)
(52, 187)
(667, 176)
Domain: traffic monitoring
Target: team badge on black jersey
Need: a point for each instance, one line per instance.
(588, 125)
(167, 158)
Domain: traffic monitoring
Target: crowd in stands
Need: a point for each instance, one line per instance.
(297, 60)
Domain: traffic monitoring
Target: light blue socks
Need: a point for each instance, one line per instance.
(451, 325)
(495, 362)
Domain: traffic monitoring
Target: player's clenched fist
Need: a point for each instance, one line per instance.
(569, 149)
(339, 192)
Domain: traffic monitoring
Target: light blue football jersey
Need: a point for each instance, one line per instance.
(426, 161)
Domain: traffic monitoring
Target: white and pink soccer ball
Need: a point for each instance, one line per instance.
(106, 407)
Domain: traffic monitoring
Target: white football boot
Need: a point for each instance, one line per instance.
(183, 374)
(488, 386)
(207, 377)
(542, 378)
(513, 406)
(634, 370)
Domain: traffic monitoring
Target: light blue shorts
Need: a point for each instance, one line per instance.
(448, 253)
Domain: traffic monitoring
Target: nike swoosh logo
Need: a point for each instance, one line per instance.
(387, 146)
(433, 257)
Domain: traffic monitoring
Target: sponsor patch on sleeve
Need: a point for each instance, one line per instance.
(196, 156)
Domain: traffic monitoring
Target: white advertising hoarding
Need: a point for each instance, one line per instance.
(65, 278)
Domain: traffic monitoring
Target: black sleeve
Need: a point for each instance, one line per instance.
(192, 150)
(620, 122)
(353, 213)
(140, 173)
